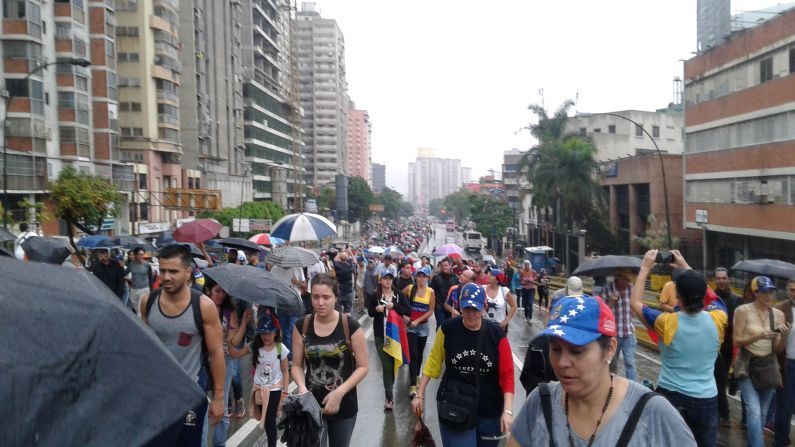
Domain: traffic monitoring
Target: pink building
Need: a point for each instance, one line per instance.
(359, 144)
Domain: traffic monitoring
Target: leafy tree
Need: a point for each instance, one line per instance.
(406, 209)
(656, 236)
(598, 237)
(83, 200)
(391, 200)
(459, 205)
(360, 197)
(34, 211)
(327, 199)
(436, 206)
(251, 210)
(491, 216)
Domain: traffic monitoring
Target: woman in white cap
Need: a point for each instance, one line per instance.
(591, 406)
(474, 410)
(421, 300)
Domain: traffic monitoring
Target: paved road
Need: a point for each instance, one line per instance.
(375, 427)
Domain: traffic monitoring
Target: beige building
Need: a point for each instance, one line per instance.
(359, 147)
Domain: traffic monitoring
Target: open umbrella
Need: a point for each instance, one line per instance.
(130, 242)
(238, 243)
(448, 249)
(277, 241)
(393, 251)
(46, 249)
(261, 239)
(6, 235)
(292, 257)
(256, 285)
(92, 241)
(76, 353)
(607, 265)
(376, 250)
(767, 267)
(197, 231)
(303, 227)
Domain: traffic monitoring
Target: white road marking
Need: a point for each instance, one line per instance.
(243, 432)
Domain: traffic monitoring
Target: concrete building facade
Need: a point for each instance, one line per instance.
(740, 146)
(59, 113)
(378, 171)
(518, 191)
(211, 96)
(272, 133)
(431, 178)
(323, 94)
(359, 147)
(616, 138)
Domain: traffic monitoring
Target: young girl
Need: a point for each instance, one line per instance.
(269, 360)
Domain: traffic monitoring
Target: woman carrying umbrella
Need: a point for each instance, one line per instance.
(384, 299)
(330, 359)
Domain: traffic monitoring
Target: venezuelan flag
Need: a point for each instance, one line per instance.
(396, 342)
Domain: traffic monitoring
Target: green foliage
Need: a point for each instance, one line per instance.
(656, 237)
(84, 200)
(251, 210)
(435, 208)
(34, 211)
(360, 197)
(599, 238)
(391, 200)
(406, 209)
(327, 199)
(492, 216)
(458, 205)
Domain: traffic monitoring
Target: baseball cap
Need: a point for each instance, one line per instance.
(762, 284)
(425, 270)
(690, 284)
(266, 324)
(579, 320)
(472, 295)
(425, 257)
(387, 257)
(389, 272)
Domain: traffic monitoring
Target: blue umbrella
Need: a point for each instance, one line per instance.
(277, 241)
(303, 227)
(393, 251)
(92, 241)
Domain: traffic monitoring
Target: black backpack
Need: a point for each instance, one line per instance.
(537, 368)
(195, 304)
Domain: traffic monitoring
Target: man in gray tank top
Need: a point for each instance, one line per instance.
(171, 318)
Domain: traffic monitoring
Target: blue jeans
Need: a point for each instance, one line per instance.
(440, 314)
(219, 435)
(527, 300)
(756, 405)
(626, 347)
(486, 428)
(700, 414)
(286, 322)
(785, 402)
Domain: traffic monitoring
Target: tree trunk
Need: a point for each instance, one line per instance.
(72, 242)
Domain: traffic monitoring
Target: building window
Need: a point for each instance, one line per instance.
(638, 130)
(128, 57)
(765, 70)
(597, 130)
(14, 9)
(583, 131)
(142, 182)
(132, 132)
(792, 60)
(655, 131)
(611, 128)
(144, 211)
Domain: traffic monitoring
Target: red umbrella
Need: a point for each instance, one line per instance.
(197, 231)
(261, 239)
(454, 255)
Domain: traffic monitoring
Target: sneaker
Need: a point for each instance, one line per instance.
(388, 405)
(240, 408)
(413, 392)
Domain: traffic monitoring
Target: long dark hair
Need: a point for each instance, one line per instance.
(227, 305)
(324, 279)
(257, 343)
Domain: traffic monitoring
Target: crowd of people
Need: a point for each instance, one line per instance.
(707, 340)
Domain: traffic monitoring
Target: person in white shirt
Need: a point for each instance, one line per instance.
(18, 251)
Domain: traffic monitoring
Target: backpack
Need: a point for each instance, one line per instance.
(537, 368)
(346, 330)
(195, 304)
(629, 426)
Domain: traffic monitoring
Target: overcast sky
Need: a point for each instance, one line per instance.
(458, 76)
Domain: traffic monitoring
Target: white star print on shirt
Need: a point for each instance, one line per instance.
(573, 313)
(555, 326)
(580, 307)
(563, 319)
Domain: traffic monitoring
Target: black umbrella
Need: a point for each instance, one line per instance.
(130, 242)
(606, 265)
(46, 249)
(78, 368)
(236, 242)
(256, 285)
(6, 235)
(767, 267)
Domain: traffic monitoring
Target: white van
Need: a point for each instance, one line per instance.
(473, 241)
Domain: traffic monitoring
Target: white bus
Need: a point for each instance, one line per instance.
(473, 241)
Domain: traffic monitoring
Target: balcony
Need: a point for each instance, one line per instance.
(168, 96)
(162, 118)
(25, 173)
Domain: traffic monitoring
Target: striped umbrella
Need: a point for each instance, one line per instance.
(303, 227)
(292, 257)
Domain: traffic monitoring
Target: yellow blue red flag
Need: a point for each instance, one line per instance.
(396, 342)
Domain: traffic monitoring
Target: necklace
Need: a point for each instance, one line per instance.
(598, 422)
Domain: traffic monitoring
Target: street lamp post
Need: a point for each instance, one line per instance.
(7, 98)
(662, 169)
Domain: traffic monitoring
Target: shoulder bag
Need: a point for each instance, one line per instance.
(458, 401)
(764, 371)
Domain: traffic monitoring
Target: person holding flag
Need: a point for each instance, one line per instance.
(387, 307)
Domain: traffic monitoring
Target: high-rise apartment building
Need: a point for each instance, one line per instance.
(272, 116)
(431, 177)
(149, 108)
(739, 163)
(378, 172)
(211, 96)
(359, 148)
(60, 112)
(323, 93)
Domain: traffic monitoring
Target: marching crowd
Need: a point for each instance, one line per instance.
(709, 341)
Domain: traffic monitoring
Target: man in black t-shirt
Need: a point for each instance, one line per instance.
(343, 270)
(441, 283)
(404, 278)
